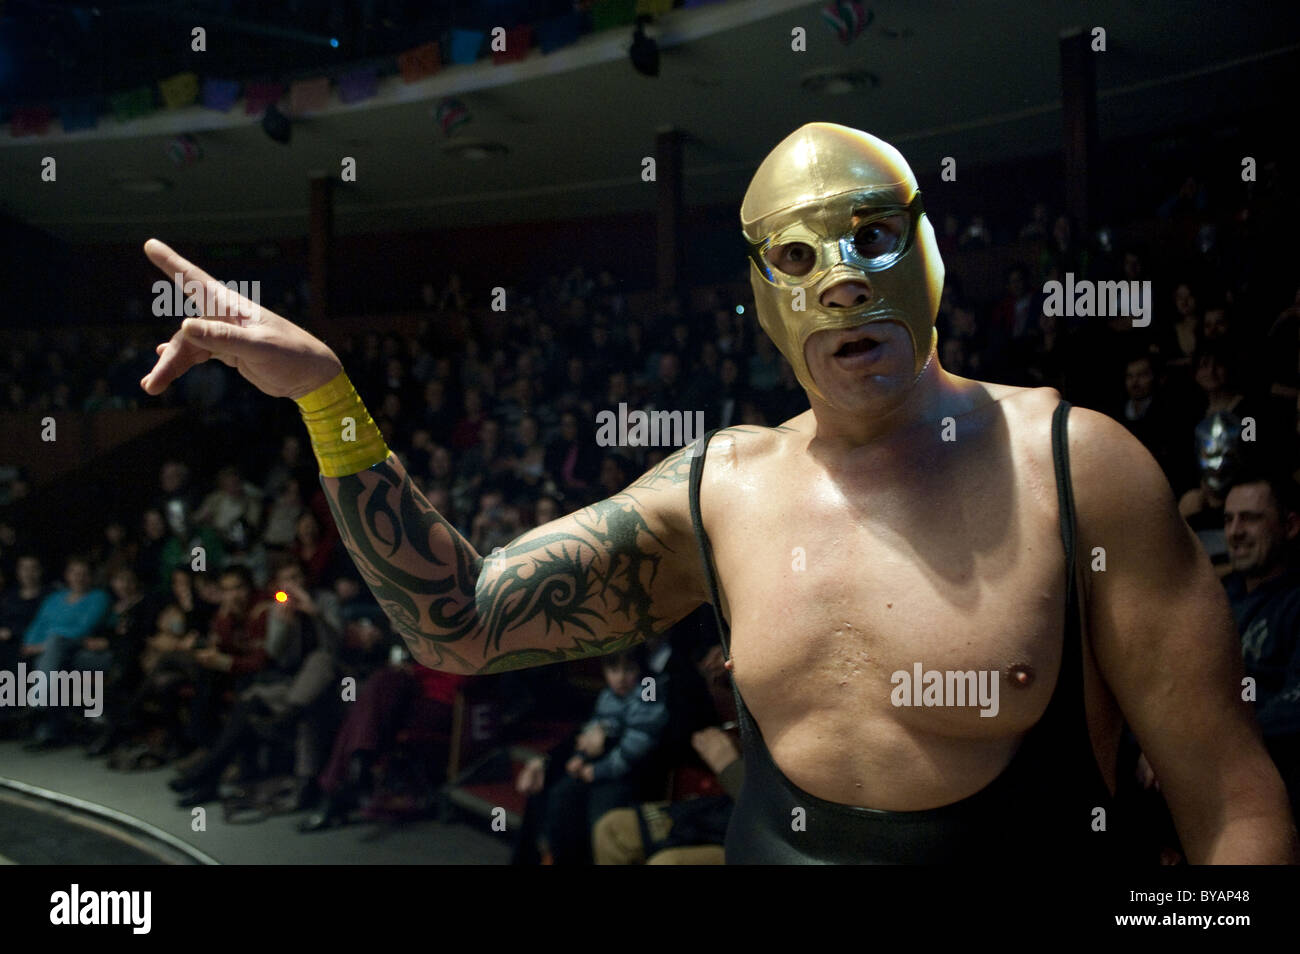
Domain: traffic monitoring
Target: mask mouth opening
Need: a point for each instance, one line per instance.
(859, 342)
(861, 346)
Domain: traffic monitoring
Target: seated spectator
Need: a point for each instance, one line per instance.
(572, 460)
(688, 832)
(185, 594)
(1014, 316)
(764, 365)
(233, 502)
(18, 607)
(290, 462)
(1261, 522)
(468, 427)
(604, 769)
(115, 551)
(398, 697)
(150, 565)
(486, 464)
(435, 415)
(129, 714)
(301, 647)
(1063, 253)
(282, 515)
(1186, 332)
(529, 458)
(226, 662)
(1147, 417)
(131, 619)
(322, 558)
(725, 401)
(496, 524)
(63, 636)
(1038, 226)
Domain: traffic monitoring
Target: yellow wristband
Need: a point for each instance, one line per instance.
(343, 435)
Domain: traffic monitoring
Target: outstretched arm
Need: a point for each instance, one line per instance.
(593, 582)
(590, 583)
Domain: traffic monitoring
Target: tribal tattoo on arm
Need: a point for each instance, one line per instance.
(593, 582)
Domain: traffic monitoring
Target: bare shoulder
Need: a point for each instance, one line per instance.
(1113, 474)
(1106, 461)
(747, 448)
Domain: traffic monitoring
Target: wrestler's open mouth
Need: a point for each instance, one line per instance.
(857, 346)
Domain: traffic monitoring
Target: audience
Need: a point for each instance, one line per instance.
(499, 432)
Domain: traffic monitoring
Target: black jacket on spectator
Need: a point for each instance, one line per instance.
(1269, 622)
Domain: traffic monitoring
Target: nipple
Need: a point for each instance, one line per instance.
(1021, 676)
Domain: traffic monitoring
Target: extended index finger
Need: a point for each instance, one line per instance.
(215, 300)
(172, 264)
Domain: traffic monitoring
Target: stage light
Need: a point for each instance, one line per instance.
(281, 596)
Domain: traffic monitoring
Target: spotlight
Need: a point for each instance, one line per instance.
(276, 125)
(644, 51)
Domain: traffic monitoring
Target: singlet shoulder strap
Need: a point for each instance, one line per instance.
(1064, 491)
(702, 539)
(1070, 681)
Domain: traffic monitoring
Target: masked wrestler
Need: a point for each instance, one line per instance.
(910, 526)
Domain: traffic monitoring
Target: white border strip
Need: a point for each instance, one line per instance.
(113, 815)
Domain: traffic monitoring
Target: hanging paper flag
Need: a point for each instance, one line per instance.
(358, 85)
(419, 62)
(258, 96)
(179, 90)
(847, 18)
(451, 115)
(30, 121)
(307, 96)
(131, 104)
(519, 41)
(653, 8)
(465, 45)
(79, 114)
(612, 13)
(219, 94)
(557, 32)
(184, 150)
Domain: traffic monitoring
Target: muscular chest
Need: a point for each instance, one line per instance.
(922, 604)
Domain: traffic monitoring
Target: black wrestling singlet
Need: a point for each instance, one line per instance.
(1043, 807)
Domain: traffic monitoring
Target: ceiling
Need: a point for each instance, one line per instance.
(976, 81)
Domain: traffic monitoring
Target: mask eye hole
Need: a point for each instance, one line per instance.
(792, 258)
(880, 237)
